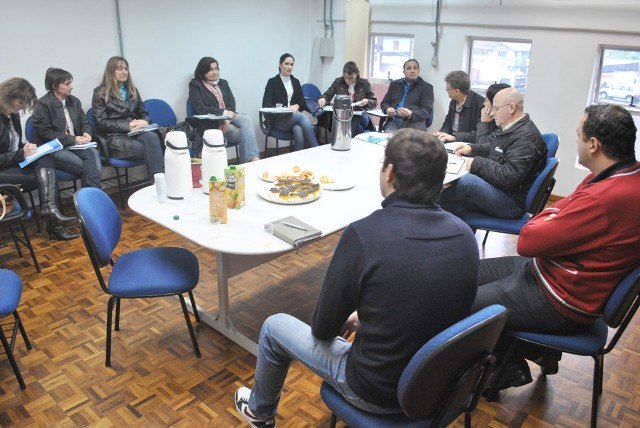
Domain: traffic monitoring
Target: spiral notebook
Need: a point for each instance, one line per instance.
(295, 232)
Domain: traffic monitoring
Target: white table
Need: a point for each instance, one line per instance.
(242, 244)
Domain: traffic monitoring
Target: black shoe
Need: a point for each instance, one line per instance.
(513, 375)
(548, 362)
(60, 232)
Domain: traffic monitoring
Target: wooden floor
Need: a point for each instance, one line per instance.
(157, 381)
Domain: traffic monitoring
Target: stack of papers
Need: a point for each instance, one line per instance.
(83, 146)
(212, 116)
(380, 138)
(150, 127)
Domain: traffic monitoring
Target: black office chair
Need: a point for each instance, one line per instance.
(18, 217)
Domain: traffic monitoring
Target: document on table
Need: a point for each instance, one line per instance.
(45, 149)
(380, 138)
(455, 163)
(275, 110)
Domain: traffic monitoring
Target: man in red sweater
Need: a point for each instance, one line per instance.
(575, 252)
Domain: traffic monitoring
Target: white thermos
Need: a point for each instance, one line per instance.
(177, 165)
(214, 157)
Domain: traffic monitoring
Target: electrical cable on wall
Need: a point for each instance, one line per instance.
(331, 16)
(324, 17)
(436, 42)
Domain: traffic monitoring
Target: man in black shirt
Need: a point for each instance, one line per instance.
(394, 280)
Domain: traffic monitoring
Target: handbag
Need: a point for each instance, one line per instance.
(7, 202)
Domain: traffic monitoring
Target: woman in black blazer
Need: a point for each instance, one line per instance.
(118, 109)
(15, 95)
(286, 90)
(59, 115)
(208, 94)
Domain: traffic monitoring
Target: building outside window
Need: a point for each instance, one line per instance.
(618, 77)
(387, 54)
(498, 61)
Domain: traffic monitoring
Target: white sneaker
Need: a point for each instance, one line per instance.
(242, 406)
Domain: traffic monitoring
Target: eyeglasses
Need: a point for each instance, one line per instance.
(496, 108)
(449, 89)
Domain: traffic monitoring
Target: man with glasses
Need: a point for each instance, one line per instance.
(501, 168)
(408, 102)
(465, 106)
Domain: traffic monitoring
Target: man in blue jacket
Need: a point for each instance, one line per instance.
(392, 280)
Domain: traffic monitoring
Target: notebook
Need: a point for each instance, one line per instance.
(83, 146)
(150, 127)
(295, 232)
(44, 149)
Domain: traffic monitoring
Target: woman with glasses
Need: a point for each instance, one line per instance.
(284, 89)
(360, 92)
(119, 110)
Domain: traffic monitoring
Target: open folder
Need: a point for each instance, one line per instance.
(294, 231)
(44, 149)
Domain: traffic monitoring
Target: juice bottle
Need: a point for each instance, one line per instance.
(234, 178)
(217, 200)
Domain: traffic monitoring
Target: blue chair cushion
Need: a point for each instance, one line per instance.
(477, 220)
(125, 163)
(589, 341)
(154, 272)
(65, 176)
(356, 418)
(10, 290)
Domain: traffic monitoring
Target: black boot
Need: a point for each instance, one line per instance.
(60, 232)
(49, 211)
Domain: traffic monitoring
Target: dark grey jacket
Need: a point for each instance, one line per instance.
(510, 160)
(362, 90)
(419, 101)
(8, 158)
(49, 122)
(204, 102)
(469, 115)
(113, 117)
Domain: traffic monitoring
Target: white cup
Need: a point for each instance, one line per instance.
(268, 227)
(190, 202)
(161, 187)
(278, 105)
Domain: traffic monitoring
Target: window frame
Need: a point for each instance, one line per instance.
(370, 53)
(596, 81)
(471, 39)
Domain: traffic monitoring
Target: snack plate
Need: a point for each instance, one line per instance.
(270, 174)
(339, 183)
(266, 194)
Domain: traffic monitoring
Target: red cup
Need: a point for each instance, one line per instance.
(196, 175)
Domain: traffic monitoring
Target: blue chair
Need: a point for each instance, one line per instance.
(443, 379)
(160, 112)
(11, 287)
(267, 129)
(203, 127)
(18, 216)
(592, 341)
(552, 143)
(537, 198)
(144, 273)
(311, 92)
(115, 163)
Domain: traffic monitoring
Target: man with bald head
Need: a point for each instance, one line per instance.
(501, 168)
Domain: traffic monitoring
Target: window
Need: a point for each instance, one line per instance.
(618, 77)
(387, 53)
(498, 61)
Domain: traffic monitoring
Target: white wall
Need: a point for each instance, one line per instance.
(564, 48)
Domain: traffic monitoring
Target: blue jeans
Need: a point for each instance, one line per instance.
(241, 131)
(283, 339)
(472, 193)
(300, 125)
(148, 146)
(85, 163)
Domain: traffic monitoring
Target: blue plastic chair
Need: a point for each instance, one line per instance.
(160, 112)
(592, 341)
(116, 163)
(148, 272)
(443, 379)
(18, 217)
(11, 287)
(311, 92)
(537, 198)
(552, 143)
(267, 129)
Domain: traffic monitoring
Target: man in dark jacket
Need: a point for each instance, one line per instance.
(465, 106)
(378, 284)
(409, 101)
(501, 168)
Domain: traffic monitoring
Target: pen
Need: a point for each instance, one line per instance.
(295, 226)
